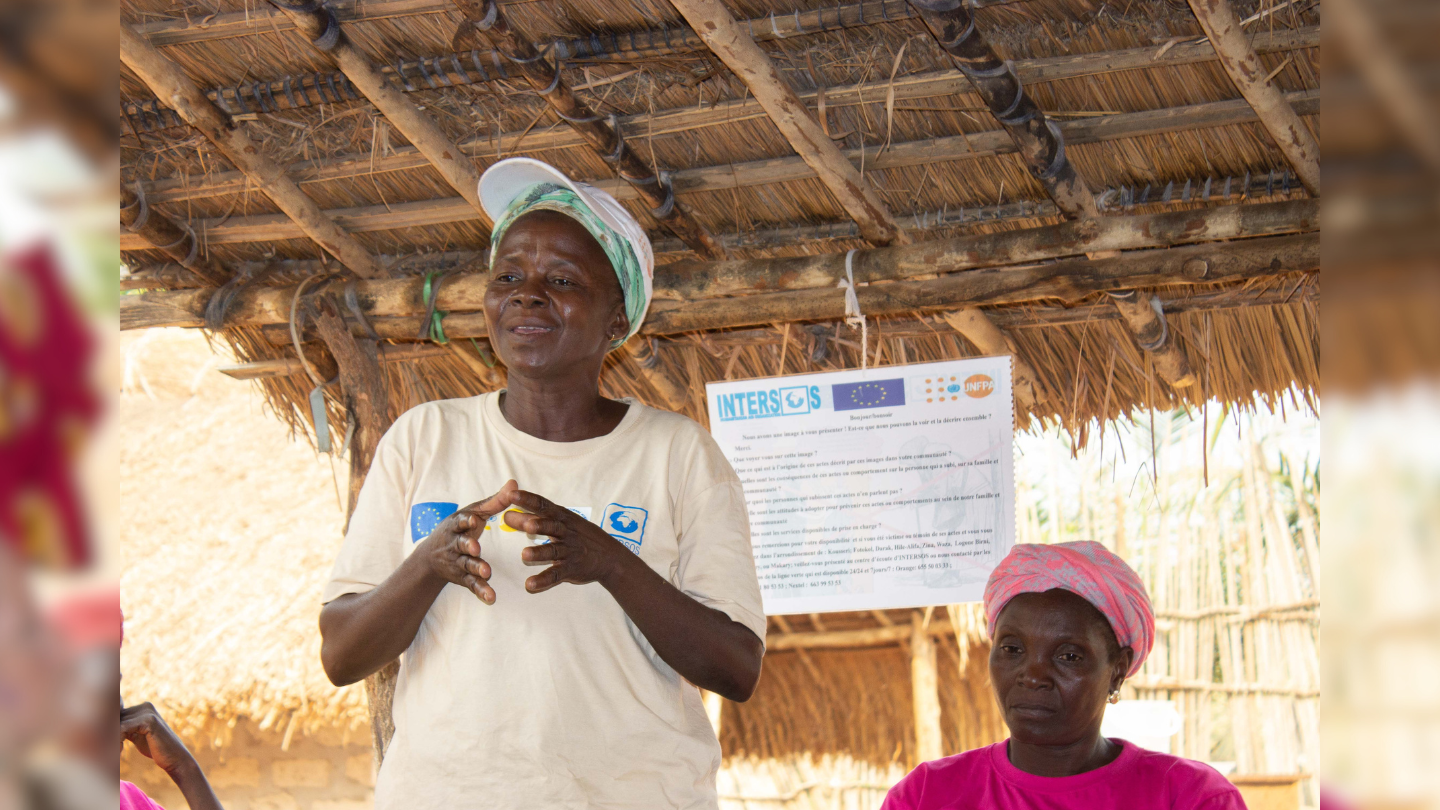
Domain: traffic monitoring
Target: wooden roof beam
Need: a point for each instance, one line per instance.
(684, 119)
(485, 17)
(737, 49)
(149, 117)
(323, 29)
(169, 82)
(1036, 138)
(1009, 256)
(1239, 59)
(1069, 281)
(160, 232)
(472, 325)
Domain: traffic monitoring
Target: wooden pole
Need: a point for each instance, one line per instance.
(367, 406)
(727, 40)
(1239, 59)
(1142, 312)
(991, 339)
(323, 29)
(162, 233)
(1068, 280)
(924, 85)
(170, 83)
(720, 177)
(1038, 140)
(672, 392)
(925, 693)
(1392, 83)
(485, 17)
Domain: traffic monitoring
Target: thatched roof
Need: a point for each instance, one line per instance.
(228, 528)
(1151, 122)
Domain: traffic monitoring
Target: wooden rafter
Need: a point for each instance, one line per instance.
(809, 298)
(169, 82)
(1036, 137)
(325, 32)
(159, 231)
(970, 146)
(1042, 144)
(695, 281)
(737, 49)
(1239, 59)
(545, 78)
(688, 118)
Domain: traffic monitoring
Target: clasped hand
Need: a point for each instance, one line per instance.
(580, 550)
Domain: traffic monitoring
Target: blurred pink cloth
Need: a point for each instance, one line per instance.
(1137, 780)
(1087, 569)
(133, 798)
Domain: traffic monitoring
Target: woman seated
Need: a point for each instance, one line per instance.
(1068, 624)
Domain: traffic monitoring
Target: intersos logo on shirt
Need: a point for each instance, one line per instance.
(626, 524)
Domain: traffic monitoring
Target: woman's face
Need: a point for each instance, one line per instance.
(1054, 662)
(553, 304)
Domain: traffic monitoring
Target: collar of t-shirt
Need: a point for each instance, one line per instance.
(1000, 760)
(496, 421)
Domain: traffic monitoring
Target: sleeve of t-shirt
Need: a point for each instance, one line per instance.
(374, 545)
(907, 793)
(716, 566)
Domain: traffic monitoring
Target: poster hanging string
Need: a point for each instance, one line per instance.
(853, 315)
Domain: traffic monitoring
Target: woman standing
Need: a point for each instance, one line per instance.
(1068, 624)
(548, 655)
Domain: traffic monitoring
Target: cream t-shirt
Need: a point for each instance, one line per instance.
(553, 699)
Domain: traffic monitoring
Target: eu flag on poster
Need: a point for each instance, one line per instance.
(868, 394)
(424, 517)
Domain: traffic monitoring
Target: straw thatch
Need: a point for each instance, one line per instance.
(228, 529)
(682, 111)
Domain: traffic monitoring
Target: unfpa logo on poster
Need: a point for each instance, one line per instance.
(979, 386)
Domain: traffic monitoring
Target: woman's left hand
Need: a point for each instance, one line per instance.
(580, 550)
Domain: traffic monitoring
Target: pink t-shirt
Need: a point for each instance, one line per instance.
(1137, 780)
(133, 798)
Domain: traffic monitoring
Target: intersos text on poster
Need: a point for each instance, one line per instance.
(892, 487)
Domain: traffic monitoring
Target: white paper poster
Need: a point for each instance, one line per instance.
(891, 487)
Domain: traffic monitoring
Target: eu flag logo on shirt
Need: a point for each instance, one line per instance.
(424, 517)
(868, 394)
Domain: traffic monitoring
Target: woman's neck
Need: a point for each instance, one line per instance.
(559, 410)
(1063, 760)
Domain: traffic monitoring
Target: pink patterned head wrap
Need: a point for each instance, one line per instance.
(1086, 569)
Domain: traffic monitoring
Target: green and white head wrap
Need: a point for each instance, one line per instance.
(522, 185)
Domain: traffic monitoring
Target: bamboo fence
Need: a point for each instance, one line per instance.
(1233, 573)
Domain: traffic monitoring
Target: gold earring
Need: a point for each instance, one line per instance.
(1115, 696)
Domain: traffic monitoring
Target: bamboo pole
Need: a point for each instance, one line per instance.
(286, 366)
(1239, 59)
(1070, 281)
(925, 691)
(169, 82)
(654, 187)
(324, 30)
(725, 38)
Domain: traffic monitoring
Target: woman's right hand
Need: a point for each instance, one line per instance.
(453, 548)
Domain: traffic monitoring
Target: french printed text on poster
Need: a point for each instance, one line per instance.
(886, 488)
